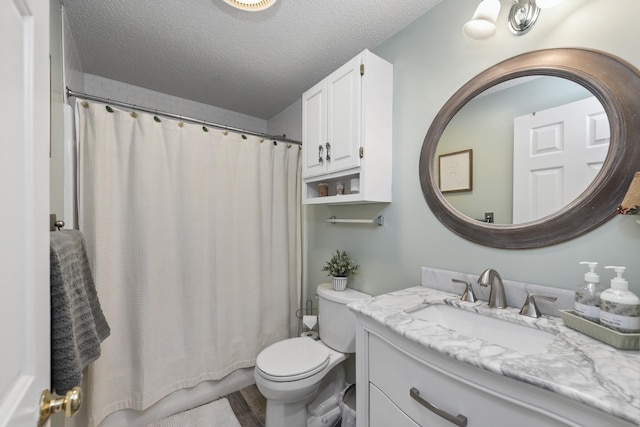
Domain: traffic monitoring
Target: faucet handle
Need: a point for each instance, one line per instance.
(530, 308)
(468, 294)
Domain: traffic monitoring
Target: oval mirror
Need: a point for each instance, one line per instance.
(565, 128)
(467, 134)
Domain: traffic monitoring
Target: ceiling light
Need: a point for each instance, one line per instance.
(483, 23)
(251, 5)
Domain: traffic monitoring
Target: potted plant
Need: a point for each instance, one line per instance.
(340, 266)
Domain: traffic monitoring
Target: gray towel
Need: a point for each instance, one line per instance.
(78, 325)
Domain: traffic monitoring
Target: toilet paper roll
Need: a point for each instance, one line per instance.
(310, 321)
(311, 334)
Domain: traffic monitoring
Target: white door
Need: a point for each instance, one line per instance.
(24, 217)
(556, 155)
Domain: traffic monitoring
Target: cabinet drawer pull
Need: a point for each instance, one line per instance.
(328, 151)
(320, 148)
(459, 420)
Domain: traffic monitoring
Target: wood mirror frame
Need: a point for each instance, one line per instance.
(615, 83)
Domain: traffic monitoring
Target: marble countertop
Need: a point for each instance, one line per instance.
(573, 365)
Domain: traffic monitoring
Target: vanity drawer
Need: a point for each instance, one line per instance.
(384, 413)
(395, 373)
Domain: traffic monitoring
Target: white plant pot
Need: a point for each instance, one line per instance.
(339, 283)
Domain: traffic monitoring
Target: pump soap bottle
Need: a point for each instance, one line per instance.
(619, 307)
(587, 301)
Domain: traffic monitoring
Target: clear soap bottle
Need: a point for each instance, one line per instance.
(587, 301)
(620, 308)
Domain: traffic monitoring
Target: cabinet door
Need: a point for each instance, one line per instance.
(344, 116)
(314, 130)
(383, 413)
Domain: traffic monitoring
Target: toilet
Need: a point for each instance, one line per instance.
(300, 378)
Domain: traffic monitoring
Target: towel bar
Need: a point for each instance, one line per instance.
(379, 220)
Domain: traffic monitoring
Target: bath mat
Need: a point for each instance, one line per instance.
(215, 414)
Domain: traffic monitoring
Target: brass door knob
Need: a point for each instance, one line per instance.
(69, 403)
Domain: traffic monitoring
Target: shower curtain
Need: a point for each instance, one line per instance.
(194, 238)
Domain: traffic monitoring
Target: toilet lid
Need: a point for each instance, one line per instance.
(292, 359)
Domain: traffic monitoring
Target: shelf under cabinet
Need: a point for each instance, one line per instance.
(354, 192)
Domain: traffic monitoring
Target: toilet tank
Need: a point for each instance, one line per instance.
(337, 322)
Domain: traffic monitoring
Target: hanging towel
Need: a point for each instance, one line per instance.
(78, 325)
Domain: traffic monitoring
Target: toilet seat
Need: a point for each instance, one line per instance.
(292, 359)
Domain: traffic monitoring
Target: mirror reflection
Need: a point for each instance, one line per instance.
(537, 143)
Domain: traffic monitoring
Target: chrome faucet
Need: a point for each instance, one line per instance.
(468, 294)
(530, 308)
(490, 277)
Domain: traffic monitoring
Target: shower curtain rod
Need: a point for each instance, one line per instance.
(177, 116)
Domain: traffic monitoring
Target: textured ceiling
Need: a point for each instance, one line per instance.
(256, 63)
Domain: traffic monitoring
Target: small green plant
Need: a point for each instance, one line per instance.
(340, 265)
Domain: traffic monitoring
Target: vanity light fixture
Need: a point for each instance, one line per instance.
(631, 203)
(522, 17)
(251, 5)
(483, 23)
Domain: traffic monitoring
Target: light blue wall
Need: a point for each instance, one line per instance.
(432, 59)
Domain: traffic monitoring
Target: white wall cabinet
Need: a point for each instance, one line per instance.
(347, 132)
(388, 366)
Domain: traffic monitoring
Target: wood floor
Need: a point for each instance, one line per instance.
(249, 406)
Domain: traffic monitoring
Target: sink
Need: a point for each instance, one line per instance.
(496, 331)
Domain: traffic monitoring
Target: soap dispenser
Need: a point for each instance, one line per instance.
(619, 307)
(587, 301)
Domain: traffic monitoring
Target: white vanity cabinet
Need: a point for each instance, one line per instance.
(384, 413)
(346, 133)
(389, 366)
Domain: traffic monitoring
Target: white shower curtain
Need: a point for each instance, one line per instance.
(194, 239)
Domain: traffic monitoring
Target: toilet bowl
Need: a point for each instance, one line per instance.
(301, 378)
